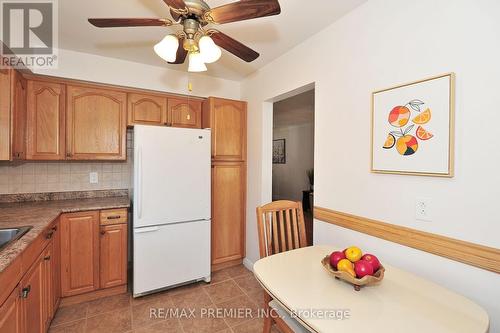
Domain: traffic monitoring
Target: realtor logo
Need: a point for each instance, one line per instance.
(29, 33)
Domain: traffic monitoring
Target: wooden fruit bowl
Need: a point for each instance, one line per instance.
(367, 280)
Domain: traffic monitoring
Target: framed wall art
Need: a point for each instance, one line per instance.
(279, 151)
(413, 128)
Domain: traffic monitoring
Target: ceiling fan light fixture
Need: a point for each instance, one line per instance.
(167, 48)
(209, 51)
(196, 63)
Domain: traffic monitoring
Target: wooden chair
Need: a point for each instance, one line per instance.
(281, 228)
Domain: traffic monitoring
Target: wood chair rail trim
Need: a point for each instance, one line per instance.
(481, 256)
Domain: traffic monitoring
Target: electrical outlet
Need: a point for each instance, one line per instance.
(93, 178)
(423, 209)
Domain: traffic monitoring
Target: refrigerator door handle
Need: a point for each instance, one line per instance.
(143, 230)
(139, 182)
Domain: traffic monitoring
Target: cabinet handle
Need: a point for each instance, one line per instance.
(103, 232)
(115, 217)
(68, 154)
(25, 291)
(46, 258)
(54, 228)
(49, 235)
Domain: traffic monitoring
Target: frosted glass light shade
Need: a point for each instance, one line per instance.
(167, 48)
(196, 63)
(209, 51)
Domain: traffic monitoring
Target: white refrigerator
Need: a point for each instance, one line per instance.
(171, 207)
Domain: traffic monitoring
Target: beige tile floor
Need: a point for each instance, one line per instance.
(232, 288)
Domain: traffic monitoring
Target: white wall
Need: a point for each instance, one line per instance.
(380, 44)
(290, 179)
(89, 67)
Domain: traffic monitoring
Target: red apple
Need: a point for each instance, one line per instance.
(363, 268)
(335, 257)
(372, 260)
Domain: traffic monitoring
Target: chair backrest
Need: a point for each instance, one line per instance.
(281, 227)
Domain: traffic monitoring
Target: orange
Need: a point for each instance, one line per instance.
(422, 134)
(390, 142)
(423, 118)
(399, 116)
(407, 145)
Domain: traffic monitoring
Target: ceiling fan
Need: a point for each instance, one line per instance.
(195, 40)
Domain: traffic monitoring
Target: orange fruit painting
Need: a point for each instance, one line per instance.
(423, 118)
(405, 142)
(399, 116)
(390, 142)
(422, 134)
(407, 145)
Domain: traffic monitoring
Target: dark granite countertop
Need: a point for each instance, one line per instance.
(40, 214)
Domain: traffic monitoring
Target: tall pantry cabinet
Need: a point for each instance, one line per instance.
(228, 121)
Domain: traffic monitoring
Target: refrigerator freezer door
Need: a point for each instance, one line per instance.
(171, 175)
(170, 254)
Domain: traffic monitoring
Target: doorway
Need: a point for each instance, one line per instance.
(293, 153)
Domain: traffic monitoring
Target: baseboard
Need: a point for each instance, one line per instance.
(93, 295)
(248, 264)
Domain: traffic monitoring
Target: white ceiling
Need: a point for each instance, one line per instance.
(295, 110)
(270, 36)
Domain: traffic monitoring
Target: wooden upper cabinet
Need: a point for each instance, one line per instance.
(228, 211)
(5, 129)
(79, 253)
(227, 119)
(96, 123)
(113, 255)
(19, 115)
(11, 313)
(146, 109)
(45, 127)
(184, 113)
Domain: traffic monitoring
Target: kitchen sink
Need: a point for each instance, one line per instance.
(8, 235)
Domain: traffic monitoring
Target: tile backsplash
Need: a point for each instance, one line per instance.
(34, 177)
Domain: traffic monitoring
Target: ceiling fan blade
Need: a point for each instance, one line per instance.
(177, 4)
(233, 46)
(129, 22)
(181, 54)
(243, 10)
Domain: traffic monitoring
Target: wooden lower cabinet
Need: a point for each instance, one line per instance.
(113, 255)
(33, 297)
(79, 253)
(48, 285)
(11, 319)
(228, 211)
(56, 266)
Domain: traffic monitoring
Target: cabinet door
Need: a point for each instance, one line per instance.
(183, 113)
(96, 124)
(5, 76)
(228, 123)
(79, 253)
(33, 294)
(56, 266)
(19, 115)
(11, 313)
(48, 287)
(113, 255)
(45, 127)
(146, 109)
(228, 211)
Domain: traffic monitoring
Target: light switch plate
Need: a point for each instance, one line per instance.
(423, 210)
(93, 178)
